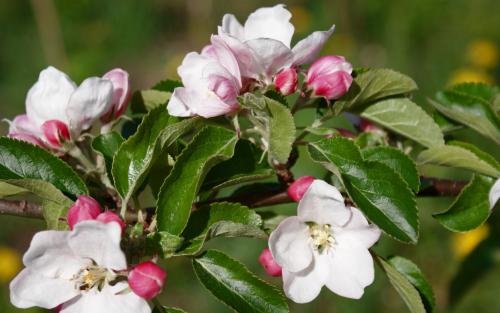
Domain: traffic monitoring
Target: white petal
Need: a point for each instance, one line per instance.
(30, 289)
(89, 102)
(273, 23)
(178, 105)
(305, 286)
(323, 203)
(289, 245)
(247, 61)
(494, 194)
(271, 55)
(351, 270)
(231, 26)
(358, 230)
(21, 124)
(49, 96)
(191, 70)
(226, 58)
(306, 50)
(107, 301)
(99, 242)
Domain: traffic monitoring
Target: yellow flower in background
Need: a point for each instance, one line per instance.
(301, 18)
(466, 75)
(464, 243)
(10, 263)
(483, 54)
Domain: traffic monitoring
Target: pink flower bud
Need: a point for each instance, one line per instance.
(121, 93)
(367, 126)
(85, 208)
(346, 133)
(286, 81)
(108, 217)
(330, 77)
(299, 187)
(270, 266)
(56, 132)
(146, 280)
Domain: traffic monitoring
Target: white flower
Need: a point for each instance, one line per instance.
(75, 268)
(326, 244)
(262, 45)
(494, 194)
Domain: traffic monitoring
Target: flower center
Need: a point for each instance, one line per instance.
(321, 236)
(93, 276)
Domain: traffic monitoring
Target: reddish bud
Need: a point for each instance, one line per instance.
(108, 217)
(346, 133)
(286, 81)
(270, 266)
(299, 187)
(56, 132)
(85, 208)
(367, 126)
(121, 93)
(146, 280)
(330, 77)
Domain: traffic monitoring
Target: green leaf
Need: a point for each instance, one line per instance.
(460, 155)
(165, 309)
(378, 191)
(372, 85)
(475, 266)
(163, 243)
(471, 208)
(233, 284)
(210, 147)
(406, 118)
(397, 161)
(479, 90)
(107, 145)
(471, 111)
(274, 123)
(222, 219)
(19, 159)
(415, 276)
(403, 286)
(54, 203)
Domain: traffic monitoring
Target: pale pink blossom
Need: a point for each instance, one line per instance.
(329, 77)
(121, 94)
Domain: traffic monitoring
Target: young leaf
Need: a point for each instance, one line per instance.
(232, 283)
(274, 123)
(406, 290)
(163, 243)
(479, 90)
(406, 118)
(471, 208)
(415, 276)
(471, 111)
(397, 161)
(107, 145)
(220, 219)
(462, 156)
(382, 195)
(211, 146)
(19, 159)
(375, 84)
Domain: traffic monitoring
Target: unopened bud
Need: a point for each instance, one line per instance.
(56, 132)
(329, 77)
(269, 264)
(121, 93)
(286, 81)
(109, 217)
(146, 280)
(84, 209)
(299, 187)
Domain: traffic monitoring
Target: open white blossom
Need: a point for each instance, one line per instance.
(326, 244)
(76, 269)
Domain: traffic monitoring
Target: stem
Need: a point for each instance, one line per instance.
(77, 154)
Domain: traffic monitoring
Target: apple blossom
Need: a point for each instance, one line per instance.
(326, 244)
(262, 44)
(329, 77)
(147, 280)
(109, 217)
(269, 264)
(56, 133)
(121, 94)
(211, 80)
(78, 269)
(299, 187)
(85, 208)
(55, 97)
(286, 81)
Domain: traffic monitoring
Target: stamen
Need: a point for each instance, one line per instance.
(321, 236)
(93, 276)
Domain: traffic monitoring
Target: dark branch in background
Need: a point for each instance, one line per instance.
(439, 187)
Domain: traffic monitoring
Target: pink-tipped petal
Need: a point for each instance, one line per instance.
(56, 132)
(299, 187)
(269, 264)
(85, 208)
(147, 279)
(109, 217)
(121, 93)
(286, 81)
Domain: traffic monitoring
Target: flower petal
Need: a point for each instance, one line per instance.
(89, 102)
(305, 286)
(231, 26)
(226, 58)
(351, 270)
(358, 230)
(99, 242)
(247, 61)
(49, 96)
(306, 50)
(323, 203)
(178, 105)
(30, 289)
(273, 23)
(107, 301)
(272, 56)
(23, 125)
(289, 244)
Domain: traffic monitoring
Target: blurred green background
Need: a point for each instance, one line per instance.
(437, 42)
